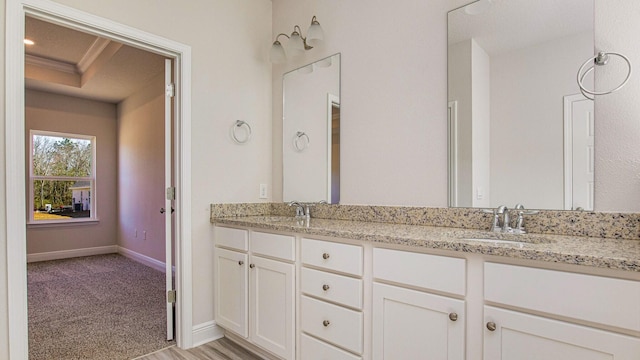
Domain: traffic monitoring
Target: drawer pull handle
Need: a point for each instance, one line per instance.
(325, 287)
(453, 316)
(326, 323)
(325, 256)
(240, 262)
(491, 326)
(252, 265)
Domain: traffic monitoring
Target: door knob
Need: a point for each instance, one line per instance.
(325, 256)
(453, 316)
(326, 323)
(491, 326)
(325, 287)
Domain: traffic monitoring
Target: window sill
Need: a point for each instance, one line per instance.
(62, 223)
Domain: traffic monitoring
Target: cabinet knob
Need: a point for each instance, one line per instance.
(325, 256)
(252, 265)
(240, 262)
(325, 287)
(453, 316)
(491, 326)
(326, 323)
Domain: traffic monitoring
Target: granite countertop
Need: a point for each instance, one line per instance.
(617, 254)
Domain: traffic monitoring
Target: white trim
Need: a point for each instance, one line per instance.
(50, 64)
(568, 100)
(331, 99)
(143, 259)
(66, 254)
(452, 134)
(15, 155)
(206, 332)
(92, 54)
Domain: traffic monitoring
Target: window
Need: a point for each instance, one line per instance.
(61, 178)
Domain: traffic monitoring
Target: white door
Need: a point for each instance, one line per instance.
(519, 336)
(409, 324)
(272, 304)
(579, 152)
(170, 196)
(231, 292)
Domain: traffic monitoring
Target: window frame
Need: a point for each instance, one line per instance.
(91, 179)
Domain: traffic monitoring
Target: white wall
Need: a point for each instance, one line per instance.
(527, 121)
(141, 190)
(481, 125)
(52, 112)
(394, 81)
(618, 115)
(459, 82)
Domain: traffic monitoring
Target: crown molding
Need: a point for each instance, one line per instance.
(50, 64)
(92, 54)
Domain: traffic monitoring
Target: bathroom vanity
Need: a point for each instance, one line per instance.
(341, 289)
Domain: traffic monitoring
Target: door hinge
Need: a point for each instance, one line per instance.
(171, 89)
(171, 296)
(171, 193)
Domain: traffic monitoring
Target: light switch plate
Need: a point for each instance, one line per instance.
(263, 191)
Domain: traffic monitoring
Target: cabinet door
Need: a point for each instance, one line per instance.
(409, 324)
(519, 336)
(272, 306)
(231, 291)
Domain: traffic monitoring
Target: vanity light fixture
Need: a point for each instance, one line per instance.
(297, 44)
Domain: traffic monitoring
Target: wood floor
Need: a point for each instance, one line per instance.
(222, 349)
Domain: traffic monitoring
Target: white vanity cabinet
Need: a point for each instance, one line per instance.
(331, 300)
(255, 288)
(415, 324)
(569, 297)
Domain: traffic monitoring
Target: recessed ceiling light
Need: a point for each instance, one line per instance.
(28, 42)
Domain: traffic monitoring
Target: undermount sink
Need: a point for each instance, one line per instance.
(507, 238)
(498, 241)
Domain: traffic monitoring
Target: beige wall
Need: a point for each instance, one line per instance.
(51, 112)
(141, 170)
(4, 308)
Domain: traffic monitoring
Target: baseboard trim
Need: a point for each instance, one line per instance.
(206, 332)
(143, 259)
(65, 254)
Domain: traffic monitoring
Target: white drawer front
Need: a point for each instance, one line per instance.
(343, 326)
(426, 271)
(231, 238)
(333, 256)
(332, 287)
(598, 299)
(274, 245)
(314, 349)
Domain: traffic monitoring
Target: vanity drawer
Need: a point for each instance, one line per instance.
(332, 287)
(314, 349)
(440, 273)
(333, 323)
(602, 300)
(334, 256)
(237, 239)
(273, 245)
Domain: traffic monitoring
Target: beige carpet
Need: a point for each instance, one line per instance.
(96, 307)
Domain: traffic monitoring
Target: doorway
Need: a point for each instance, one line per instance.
(15, 165)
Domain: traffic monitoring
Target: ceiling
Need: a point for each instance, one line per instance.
(70, 62)
(506, 25)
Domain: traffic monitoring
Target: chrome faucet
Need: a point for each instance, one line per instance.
(519, 229)
(506, 221)
(299, 209)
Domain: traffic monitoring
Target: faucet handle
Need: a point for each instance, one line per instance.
(495, 223)
(520, 220)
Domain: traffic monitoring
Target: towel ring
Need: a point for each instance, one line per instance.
(298, 143)
(602, 58)
(239, 124)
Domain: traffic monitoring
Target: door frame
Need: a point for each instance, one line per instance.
(15, 194)
(568, 100)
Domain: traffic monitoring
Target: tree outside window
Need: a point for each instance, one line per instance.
(62, 177)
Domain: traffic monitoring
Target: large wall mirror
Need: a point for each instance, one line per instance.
(520, 131)
(311, 132)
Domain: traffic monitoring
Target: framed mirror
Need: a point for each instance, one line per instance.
(311, 132)
(520, 131)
